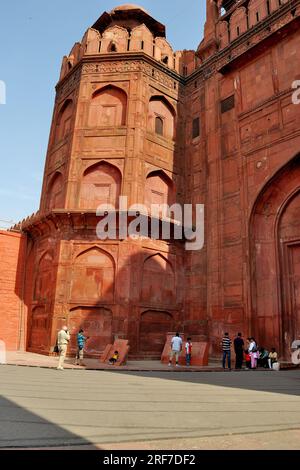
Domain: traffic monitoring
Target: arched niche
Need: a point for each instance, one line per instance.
(115, 39)
(158, 281)
(44, 278)
(93, 277)
(63, 121)
(108, 107)
(101, 184)
(159, 107)
(153, 329)
(275, 257)
(159, 189)
(112, 47)
(55, 197)
(39, 337)
(97, 325)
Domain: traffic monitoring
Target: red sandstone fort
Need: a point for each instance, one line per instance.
(132, 117)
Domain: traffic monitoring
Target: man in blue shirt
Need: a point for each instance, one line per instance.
(81, 339)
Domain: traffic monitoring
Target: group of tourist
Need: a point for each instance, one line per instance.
(253, 355)
(61, 347)
(176, 349)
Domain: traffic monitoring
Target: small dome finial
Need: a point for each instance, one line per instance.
(129, 6)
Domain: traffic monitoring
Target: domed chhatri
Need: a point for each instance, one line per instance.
(129, 6)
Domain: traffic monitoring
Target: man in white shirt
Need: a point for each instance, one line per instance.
(63, 339)
(176, 348)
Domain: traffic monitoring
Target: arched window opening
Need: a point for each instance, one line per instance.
(165, 60)
(112, 47)
(159, 126)
(63, 123)
(162, 117)
(55, 192)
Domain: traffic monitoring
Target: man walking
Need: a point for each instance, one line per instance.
(239, 351)
(176, 347)
(63, 339)
(226, 347)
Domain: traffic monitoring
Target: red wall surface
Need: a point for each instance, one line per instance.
(12, 254)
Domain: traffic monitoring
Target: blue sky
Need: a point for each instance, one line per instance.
(34, 36)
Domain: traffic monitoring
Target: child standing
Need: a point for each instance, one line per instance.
(248, 360)
(188, 351)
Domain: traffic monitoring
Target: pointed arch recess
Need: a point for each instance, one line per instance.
(101, 184)
(159, 189)
(93, 277)
(108, 107)
(158, 281)
(274, 234)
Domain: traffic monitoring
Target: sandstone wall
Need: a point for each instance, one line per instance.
(12, 253)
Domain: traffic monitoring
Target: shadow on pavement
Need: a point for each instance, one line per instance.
(285, 382)
(21, 428)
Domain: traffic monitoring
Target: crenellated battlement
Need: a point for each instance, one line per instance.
(237, 17)
(129, 30)
(228, 20)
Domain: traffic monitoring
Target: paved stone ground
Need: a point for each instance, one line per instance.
(21, 358)
(150, 410)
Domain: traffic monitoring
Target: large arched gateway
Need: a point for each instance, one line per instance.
(275, 259)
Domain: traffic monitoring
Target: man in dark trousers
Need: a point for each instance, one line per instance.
(226, 347)
(239, 351)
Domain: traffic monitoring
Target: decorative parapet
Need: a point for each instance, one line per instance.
(224, 59)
